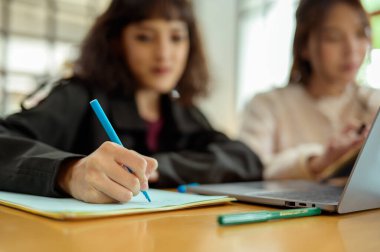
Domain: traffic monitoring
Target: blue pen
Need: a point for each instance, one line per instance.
(183, 188)
(110, 131)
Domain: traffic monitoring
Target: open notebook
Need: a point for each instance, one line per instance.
(69, 208)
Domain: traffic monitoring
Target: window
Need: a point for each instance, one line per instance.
(265, 37)
(264, 45)
(38, 41)
(370, 71)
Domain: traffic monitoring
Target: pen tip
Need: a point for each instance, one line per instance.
(146, 196)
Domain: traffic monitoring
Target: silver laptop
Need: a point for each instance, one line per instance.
(361, 192)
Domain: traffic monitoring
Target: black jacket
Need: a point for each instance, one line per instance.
(34, 142)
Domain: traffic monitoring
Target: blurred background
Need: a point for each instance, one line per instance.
(248, 44)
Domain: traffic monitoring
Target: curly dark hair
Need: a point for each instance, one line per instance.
(102, 63)
(310, 16)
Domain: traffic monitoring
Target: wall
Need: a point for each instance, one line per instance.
(217, 20)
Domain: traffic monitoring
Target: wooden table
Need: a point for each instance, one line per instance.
(189, 230)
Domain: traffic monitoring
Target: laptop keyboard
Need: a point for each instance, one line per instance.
(327, 195)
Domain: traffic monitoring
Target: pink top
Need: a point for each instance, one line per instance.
(154, 129)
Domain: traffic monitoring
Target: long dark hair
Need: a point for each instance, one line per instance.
(102, 61)
(310, 16)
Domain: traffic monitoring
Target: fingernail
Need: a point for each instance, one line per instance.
(144, 186)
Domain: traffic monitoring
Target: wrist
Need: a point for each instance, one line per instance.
(65, 175)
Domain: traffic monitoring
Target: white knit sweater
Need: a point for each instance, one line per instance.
(286, 126)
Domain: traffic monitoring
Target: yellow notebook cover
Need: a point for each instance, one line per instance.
(69, 208)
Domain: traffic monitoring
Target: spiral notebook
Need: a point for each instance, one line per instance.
(69, 208)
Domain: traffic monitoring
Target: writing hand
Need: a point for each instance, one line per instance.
(100, 178)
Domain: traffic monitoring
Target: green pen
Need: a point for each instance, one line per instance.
(261, 216)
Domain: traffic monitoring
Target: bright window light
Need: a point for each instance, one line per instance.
(373, 69)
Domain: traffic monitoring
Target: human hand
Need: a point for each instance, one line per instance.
(154, 177)
(351, 138)
(100, 178)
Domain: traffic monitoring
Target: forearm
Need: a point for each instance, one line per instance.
(29, 166)
(222, 162)
(292, 163)
(32, 141)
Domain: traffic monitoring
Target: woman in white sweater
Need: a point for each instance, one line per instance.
(302, 128)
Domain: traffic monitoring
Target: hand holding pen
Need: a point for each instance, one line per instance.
(100, 178)
(349, 139)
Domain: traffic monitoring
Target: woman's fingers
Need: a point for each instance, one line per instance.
(129, 159)
(113, 189)
(95, 196)
(111, 173)
(152, 165)
(122, 176)
(154, 177)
